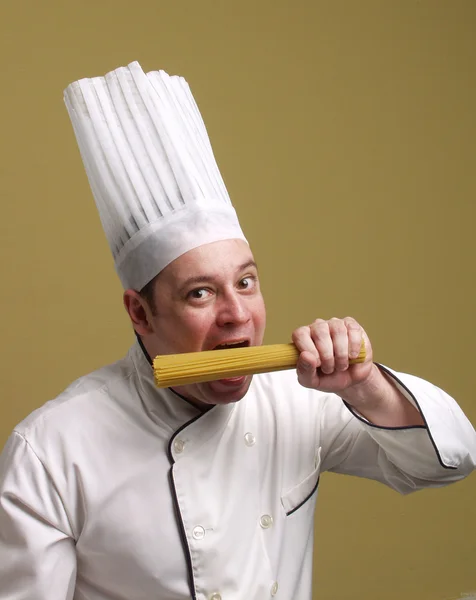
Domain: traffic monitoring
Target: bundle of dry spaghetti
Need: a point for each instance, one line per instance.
(196, 367)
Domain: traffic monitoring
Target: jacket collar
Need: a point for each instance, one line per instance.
(165, 406)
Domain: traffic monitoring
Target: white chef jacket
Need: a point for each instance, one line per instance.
(117, 490)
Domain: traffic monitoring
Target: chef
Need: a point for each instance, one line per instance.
(118, 490)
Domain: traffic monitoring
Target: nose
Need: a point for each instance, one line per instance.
(233, 310)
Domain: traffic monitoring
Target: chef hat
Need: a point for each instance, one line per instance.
(151, 168)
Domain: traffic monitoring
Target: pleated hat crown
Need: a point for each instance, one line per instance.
(151, 169)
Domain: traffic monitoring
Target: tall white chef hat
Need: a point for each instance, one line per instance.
(151, 169)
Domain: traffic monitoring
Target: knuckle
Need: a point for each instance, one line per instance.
(341, 352)
(336, 324)
(340, 327)
(300, 332)
(342, 359)
(319, 329)
(351, 323)
(320, 324)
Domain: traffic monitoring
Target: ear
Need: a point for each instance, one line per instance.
(138, 311)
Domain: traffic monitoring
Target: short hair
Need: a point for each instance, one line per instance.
(147, 293)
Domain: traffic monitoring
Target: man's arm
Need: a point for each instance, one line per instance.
(382, 403)
(407, 458)
(37, 549)
(404, 431)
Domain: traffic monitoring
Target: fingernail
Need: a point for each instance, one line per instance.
(305, 365)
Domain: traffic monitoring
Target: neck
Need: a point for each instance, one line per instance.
(191, 400)
(143, 348)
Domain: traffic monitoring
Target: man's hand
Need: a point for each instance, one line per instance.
(325, 348)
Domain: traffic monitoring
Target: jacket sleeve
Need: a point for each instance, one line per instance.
(405, 458)
(37, 549)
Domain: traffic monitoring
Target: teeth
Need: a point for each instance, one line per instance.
(231, 345)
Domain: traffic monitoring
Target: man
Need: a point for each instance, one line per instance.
(117, 490)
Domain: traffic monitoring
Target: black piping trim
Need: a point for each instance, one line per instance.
(141, 344)
(203, 410)
(425, 426)
(178, 514)
(305, 499)
(151, 363)
(181, 428)
(183, 537)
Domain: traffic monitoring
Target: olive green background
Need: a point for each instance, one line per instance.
(346, 134)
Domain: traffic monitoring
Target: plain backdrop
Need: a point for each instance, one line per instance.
(346, 135)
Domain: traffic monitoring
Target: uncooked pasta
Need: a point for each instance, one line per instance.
(196, 367)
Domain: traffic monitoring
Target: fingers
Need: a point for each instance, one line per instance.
(355, 334)
(328, 344)
(309, 357)
(331, 339)
(309, 360)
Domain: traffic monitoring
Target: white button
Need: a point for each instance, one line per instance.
(215, 596)
(179, 445)
(274, 588)
(198, 532)
(266, 521)
(249, 439)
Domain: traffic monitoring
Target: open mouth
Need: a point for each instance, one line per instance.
(229, 345)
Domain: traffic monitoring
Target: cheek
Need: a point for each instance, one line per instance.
(259, 314)
(196, 325)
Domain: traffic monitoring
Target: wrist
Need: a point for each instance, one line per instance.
(380, 401)
(369, 392)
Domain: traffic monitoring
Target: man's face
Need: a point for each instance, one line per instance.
(207, 298)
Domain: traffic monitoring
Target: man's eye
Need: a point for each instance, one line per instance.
(199, 294)
(247, 282)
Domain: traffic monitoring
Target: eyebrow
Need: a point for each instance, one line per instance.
(205, 278)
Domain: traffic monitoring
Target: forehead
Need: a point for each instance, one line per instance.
(215, 260)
